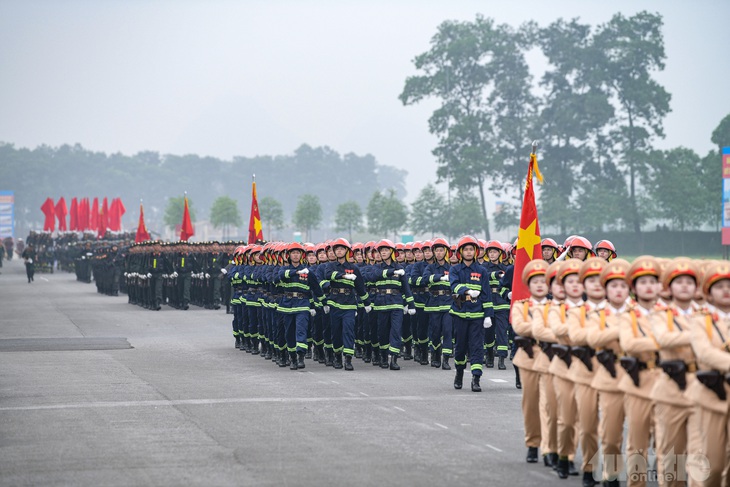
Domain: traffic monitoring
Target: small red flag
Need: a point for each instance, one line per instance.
(103, 218)
(94, 221)
(186, 231)
(61, 211)
(49, 210)
(528, 238)
(73, 218)
(255, 232)
(142, 234)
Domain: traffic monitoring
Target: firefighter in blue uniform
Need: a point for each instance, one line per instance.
(471, 311)
(393, 300)
(441, 327)
(346, 287)
(499, 332)
(235, 279)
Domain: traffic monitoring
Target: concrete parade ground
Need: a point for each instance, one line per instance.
(95, 391)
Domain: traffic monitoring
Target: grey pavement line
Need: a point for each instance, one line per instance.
(231, 400)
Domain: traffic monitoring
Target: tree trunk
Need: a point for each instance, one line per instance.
(632, 176)
(484, 207)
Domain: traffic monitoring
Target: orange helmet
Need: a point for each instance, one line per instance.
(295, 246)
(568, 240)
(357, 246)
(418, 246)
(427, 244)
(385, 243)
(441, 242)
(463, 241)
(399, 248)
(494, 244)
(482, 244)
(580, 242)
(549, 242)
(342, 242)
(607, 245)
(408, 246)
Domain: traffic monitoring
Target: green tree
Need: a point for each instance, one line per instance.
(464, 217)
(630, 50)
(675, 184)
(348, 217)
(224, 213)
(272, 213)
(386, 214)
(308, 214)
(429, 211)
(711, 184)
(721, 134)
(174, 211)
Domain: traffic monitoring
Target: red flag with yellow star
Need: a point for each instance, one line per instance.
(528, 238)
(255, 232)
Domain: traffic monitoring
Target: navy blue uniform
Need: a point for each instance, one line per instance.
(392, 294)
(343, 302)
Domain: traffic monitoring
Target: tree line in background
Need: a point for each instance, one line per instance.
(597, 111)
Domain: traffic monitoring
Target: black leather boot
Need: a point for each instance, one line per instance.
(572, 470)
(367, 354)
(588, 480)
(532, 454)
(300, 356)
(394, 363)
(445, 363)
(328, 357)
(320, 354)
(518, 382)
(459, 379)
(562, 468)
(611, 483)
(348, 362)
(308, 353)
(408, 352)
(376, 357)
(238, 341)
(293, 360)
(281, 358)
(338, 360)
(358, 351)
(269, 346)
(417, 353)
(436, 358)
(490, 358)
(500, 364)
(553, 461)
(475, 387)
(255, 346)
(424, 354)
(384, 357)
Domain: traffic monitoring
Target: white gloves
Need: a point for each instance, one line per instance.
(411, 311)
(444, 278)
(473, 293)
(174, 274)
(303, 272)
(207, 276)
(312, 312)
(326, 309)
(368, 309)
(125, 274)
(509, 296)
(405, 310)
(149, 276)
(223, 271)
(487, 322)
(399, 272)
(349, 277)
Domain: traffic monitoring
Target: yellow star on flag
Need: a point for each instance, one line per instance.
(527, 238)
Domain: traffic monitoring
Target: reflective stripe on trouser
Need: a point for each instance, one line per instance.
(440, 333)
(586, 401)
(407, 332)
(639, 419)
(295, 330)
(611, 429)
(469, 338)
(501, 329)
(548, 414)
(389, 330)
(531, 406)
(343, 330)
(566, 416)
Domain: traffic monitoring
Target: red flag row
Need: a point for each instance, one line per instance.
(82, 217)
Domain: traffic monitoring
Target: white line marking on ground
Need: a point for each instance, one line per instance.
(441, 426)
(207, 402)
(334, 382)
(310, 372)
(44, 279)
(498, 380)
(366, 395)
(466, 424)
(399, 409)
(494, 448)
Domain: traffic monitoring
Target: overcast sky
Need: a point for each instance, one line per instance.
(226, 78)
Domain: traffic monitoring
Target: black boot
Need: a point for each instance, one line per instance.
(553, 461)
(328, 357)
(490, 358)
(436, 358)
(563, 468)
(532, 454)
(424, 354)
(611, 483)
(348, 362)
(547, 460)
(459, 379)
(315, 354)
(255, 346)
(518, 383)
(475, 387)
(308, 353)
(445, 363)
(572, 470)
(408, 352)
(417, 353)
(338, 360)
(281, 358)
(268, 351)
(384, 359)
(238, 341)
(293, 360)
(376, 356)
(394, 362)
(588, 480)
(320, 354)
(367, 353)
(300, 356)
(358, 351)
(500, 364)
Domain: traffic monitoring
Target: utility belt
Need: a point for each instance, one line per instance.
(633, 366)
(295, 295)
(562, 352)
(441, 292)
(495, 290)
(341, 290)
(713, 380)
(418, 289)
(584, 354)
(677, 371)
(526, 343)
(547, 349)
(607, 358)
(384, 292)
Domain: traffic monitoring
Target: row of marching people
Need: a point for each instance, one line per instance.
(604, 344)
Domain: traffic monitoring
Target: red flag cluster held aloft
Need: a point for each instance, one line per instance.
(83, 216)
(61, 211)
(49, 210)
(142, 233)
(528, 237)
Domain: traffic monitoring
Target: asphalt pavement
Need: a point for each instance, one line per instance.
(95, 391)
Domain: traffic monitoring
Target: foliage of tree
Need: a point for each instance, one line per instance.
(348, 217)
(308, 214)
(464, 216)
(386, 214)
(224, 213)
(721, 134)
(429, 212)
(174, 211)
